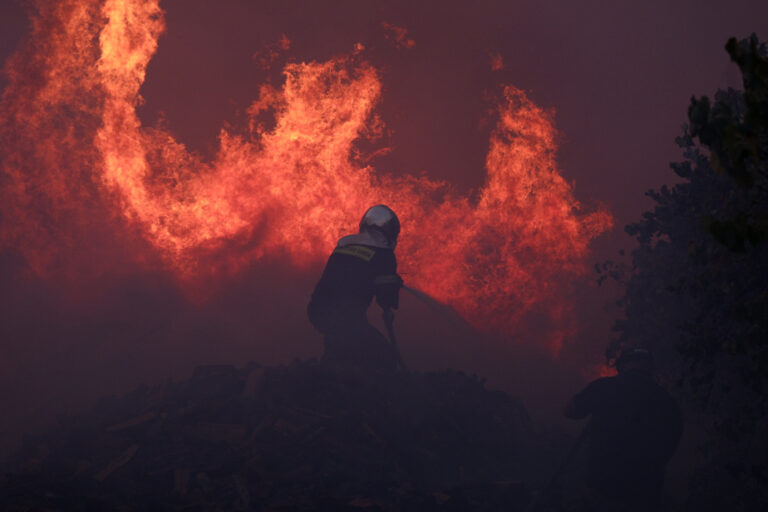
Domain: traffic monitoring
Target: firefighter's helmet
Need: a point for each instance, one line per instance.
(381, 218)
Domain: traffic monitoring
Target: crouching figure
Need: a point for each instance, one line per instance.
(362, 266)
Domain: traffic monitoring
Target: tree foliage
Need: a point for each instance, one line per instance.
(697, 293)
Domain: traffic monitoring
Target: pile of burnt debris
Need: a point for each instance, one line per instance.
(297, 437)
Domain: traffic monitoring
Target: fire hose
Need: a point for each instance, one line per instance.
(389, 318)
(446, 312)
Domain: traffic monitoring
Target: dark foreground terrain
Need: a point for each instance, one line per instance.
(297, 437)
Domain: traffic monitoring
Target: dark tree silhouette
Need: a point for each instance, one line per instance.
(697, 292)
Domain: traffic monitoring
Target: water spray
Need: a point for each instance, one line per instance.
(445, 311)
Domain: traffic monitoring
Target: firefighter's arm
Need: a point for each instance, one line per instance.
(387, 289)
(388, 316)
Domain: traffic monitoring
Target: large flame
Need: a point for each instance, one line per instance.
(77, 161)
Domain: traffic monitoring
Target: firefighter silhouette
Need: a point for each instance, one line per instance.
(362, 266)
(635, 428)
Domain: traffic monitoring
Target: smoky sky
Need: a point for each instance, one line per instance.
(618, 77)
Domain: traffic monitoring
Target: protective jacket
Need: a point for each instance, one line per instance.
(362, 266)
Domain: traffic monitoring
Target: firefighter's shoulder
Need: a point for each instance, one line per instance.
(358, 251)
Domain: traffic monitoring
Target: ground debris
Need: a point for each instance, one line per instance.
(297, 437)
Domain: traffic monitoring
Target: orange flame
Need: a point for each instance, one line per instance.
(77, 157)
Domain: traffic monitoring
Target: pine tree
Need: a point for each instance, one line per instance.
(697, 292)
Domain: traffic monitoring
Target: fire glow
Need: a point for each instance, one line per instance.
(76, 156)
